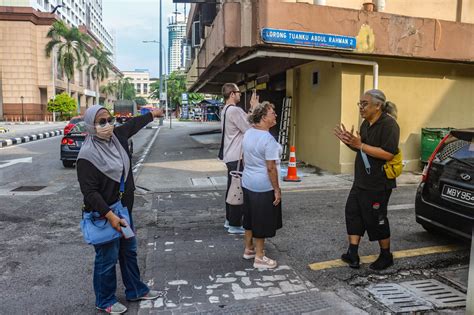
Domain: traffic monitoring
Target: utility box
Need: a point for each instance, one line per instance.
(430, 138)
(125, 108)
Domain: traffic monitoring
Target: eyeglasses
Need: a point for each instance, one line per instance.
(103, 121)
(362, 104)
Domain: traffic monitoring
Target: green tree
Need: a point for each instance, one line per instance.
(71, 48)
(100, 69)
(110, 89)
(125, 89)
(176, 82)
(64, 104)
(141, 101)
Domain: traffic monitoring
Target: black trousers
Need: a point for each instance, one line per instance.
(233, 214)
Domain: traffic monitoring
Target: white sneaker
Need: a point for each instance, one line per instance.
(117, 308)
(264, 263)
(236, 230)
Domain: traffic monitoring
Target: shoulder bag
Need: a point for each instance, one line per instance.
(96, 229)
(235, 196)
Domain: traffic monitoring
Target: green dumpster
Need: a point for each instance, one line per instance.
(430, 138)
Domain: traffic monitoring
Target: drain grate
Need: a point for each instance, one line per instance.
(398, 299)
(28, 188)
(441, 295)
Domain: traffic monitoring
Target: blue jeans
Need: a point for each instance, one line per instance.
(105, 280)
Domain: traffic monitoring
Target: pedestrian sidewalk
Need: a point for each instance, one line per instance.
(193, 259)
(185, 158)
(21, 133)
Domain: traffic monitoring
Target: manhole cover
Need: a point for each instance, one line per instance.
(441, 295)
(398, 299)
(28, 188)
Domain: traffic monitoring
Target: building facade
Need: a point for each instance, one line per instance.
(422, 57)
(177, 51)
(28, 78)
(141, 80)
(74, 13)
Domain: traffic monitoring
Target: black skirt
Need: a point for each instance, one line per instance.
(260, 215)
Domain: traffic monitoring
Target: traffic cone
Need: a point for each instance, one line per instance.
(292, 172)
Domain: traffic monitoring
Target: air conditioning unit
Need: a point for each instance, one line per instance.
(196, 34)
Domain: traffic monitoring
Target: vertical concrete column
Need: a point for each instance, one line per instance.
(246, 23)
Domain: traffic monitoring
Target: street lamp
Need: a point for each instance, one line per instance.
(22, 111)
(162, 49)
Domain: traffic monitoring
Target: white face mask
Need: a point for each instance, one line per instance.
(105, 132)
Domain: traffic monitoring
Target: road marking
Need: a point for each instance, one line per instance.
(15, 161)
(398, 254)
(402, 206)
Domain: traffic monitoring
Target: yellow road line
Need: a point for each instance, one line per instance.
(398, 254)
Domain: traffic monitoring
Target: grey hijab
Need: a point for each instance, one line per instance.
(109, 157)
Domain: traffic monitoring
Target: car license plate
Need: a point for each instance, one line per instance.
(458, 194)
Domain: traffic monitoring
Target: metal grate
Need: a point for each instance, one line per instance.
(398, 299)
(28, 188)
(441, 295)
(451, 148)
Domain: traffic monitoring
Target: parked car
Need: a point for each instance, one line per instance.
(72, 123)
(71, 143)
(445, 197)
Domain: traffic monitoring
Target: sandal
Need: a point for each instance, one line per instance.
(249, 253)
(264, 263)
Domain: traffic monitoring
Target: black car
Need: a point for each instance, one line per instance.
(445, 197)
(72, 143)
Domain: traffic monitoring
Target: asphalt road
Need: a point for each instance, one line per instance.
(45, 267)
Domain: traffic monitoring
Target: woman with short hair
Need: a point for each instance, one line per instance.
(261, 187)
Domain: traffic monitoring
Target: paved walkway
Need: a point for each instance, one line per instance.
(192, 257)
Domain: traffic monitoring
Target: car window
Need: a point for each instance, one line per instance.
(456, 148)
(80, 127)
(75, 120)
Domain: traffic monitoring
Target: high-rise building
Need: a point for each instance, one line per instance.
(74, 13)
(176, 41)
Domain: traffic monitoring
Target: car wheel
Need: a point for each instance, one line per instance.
(68, 164)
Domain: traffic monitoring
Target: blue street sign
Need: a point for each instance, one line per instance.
(297, 38)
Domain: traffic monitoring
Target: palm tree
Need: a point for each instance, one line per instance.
(71, 44)
(110, 89)
(125, 89)
(100, 69)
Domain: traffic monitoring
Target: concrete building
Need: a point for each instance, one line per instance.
(74, 13)
(421, 56)
(142, 82)
(28, 79)
(176, 42)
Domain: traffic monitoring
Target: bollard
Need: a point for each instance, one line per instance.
(470, 281)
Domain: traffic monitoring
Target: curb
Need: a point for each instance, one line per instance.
(28, 123)
(24, 139)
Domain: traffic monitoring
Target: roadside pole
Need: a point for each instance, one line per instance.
(470, 281)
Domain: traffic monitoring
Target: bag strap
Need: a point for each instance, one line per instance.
(122, 187)
(366, 161)
(223, 129)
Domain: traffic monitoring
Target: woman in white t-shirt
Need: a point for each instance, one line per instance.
(260, 182)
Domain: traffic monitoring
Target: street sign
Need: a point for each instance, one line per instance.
(184, 96)
(163, 96)
(298, 38)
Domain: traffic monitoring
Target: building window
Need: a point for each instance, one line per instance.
(145, 88)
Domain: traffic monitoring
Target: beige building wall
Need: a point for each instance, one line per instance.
(436, 95)
(435, 9)
(317, 111)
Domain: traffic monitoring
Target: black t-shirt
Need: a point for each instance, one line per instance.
(385, 134)
(99, 190)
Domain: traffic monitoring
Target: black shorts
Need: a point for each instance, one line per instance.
(366, 210)
(260, 215)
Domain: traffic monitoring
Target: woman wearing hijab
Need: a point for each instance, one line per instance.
(103, 160)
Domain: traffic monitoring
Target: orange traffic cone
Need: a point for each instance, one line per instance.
(292, 172)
